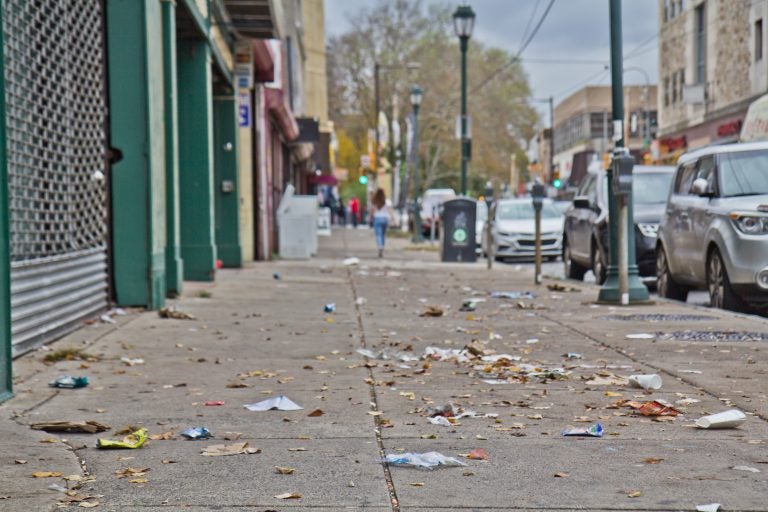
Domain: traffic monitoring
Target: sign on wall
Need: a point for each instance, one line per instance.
(244, 111)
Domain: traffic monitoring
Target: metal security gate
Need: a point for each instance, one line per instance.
(56, 147)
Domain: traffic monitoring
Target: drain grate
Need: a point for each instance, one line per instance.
(712, 336)
(658, 317)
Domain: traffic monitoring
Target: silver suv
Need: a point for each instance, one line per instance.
(714, 232)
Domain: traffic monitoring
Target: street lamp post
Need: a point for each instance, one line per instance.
(463, 23)
(416, 95)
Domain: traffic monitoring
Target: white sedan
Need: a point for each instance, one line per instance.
(514, 229)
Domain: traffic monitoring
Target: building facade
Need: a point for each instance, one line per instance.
(147, 143)
(583, 127)
(711, 67)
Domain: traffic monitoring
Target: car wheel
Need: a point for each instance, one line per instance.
(599, 267)
(666, 286)
(572, 269)
(721, 294)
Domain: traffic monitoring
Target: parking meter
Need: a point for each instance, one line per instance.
(623, 164)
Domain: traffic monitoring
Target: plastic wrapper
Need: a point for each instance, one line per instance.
(513, 295)
(195, 433)
(69, 382)
(132, 441)
(428, 460)
(278, 403)
(385, 355)
(330, 307)
(595, 430)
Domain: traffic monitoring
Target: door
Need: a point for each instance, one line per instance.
(582, 221)
(701, 217)
(55, 121)
(679, 228)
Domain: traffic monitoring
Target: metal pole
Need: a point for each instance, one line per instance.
(417, 237)
(377, 101)
(489, 235)
(463, 41)
(537, 277)
(623, 256)
(551, 137)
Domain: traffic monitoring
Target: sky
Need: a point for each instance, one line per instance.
(574, 30)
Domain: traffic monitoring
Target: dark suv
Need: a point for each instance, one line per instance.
(585, 238)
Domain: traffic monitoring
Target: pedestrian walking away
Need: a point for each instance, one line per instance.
(381, 215)
(354, 210)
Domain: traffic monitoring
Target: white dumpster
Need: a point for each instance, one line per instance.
(297, 225)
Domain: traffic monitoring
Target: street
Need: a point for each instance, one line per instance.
(262, 332)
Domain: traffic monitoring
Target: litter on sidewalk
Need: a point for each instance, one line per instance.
(351, 261)
(131, 441)
(428, 460)
(222, 450)
(595, 430)
(278, 403)
(728, 419)
(513, 295)
(712, 507)
(653, 408)
(329, 308)
(69, 382)
(433, 311)
(84, 427)
(196, 433)
(386, 355)
(174, 314)
(650, 381)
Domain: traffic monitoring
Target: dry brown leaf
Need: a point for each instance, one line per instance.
(299, 449)
(168, 461)
(316, 413)
(285, 471)
(46, 474)
(88, 504)
(20, 461)
(562, 474)
(237, 385)
(138, 481)
(478, 454)
(289, 496)
(122, 473)
(417, 484)
(165, 436)
(219, 450)
(652, 460)
(634, 494)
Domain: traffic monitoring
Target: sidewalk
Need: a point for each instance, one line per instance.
(272, 336)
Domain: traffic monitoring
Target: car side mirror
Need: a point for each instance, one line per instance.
(581, 202)
(700, 188)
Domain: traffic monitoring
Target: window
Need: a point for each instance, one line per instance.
(682, 83)
(700, 43)
(685, 175)
(706, 171)
(666, 10)
(674, 88)
(672, 8)
(759, 40)
(743, 173)
(666, 91)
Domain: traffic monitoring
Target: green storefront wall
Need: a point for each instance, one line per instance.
(137, 130)
(195, 122)
(6, 376)
(227, 194)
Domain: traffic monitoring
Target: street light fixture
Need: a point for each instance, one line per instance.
(463, 24)
(416, 96)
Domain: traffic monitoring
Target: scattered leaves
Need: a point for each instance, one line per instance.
(316, 413)
(289, 496)
(284, 471)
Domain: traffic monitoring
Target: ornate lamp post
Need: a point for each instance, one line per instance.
(416, 95)
(463, 24)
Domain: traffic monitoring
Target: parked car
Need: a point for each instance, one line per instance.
(513, 230)
(430, 208)
(585, 238)
(714, 233)
(481, 216)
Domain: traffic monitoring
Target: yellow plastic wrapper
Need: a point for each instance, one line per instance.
(132, 441)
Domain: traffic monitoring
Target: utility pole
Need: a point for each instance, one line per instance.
(627, 287)
(377, 101)
(551, 138)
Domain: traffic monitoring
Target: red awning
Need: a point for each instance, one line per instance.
(282, 114)
(263, 63)
(323, 179)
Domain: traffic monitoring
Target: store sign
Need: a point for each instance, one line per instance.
(729, 129)
(674, 143)
(244, 65)
(244, 110)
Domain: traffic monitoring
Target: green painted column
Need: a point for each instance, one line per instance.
(226, 183)
(6, 374)
(137, 117)
(195, 103)
(174, 265)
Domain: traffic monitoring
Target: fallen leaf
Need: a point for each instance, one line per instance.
(634, 494)
(123, 473)
(562, 475)
(375, 413)
(88, 427)
(88, 504)
(432, 311)
(165, 436)
(285, 471)
(20, 461)
(429, 436)
(237, 385)
(138, 481)
(46, 474)
(299, 449)
(417, 484)
(316, 413)
(168, 461)
(289, 496)
(652, 460)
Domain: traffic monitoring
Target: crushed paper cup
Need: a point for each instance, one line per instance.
(649, 381)
(728, 419)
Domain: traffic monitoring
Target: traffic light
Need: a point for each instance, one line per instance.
(363, 179)
(556, 181)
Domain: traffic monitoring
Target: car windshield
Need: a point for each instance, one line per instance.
(651, 188)
(744, 173)
(524, 211)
